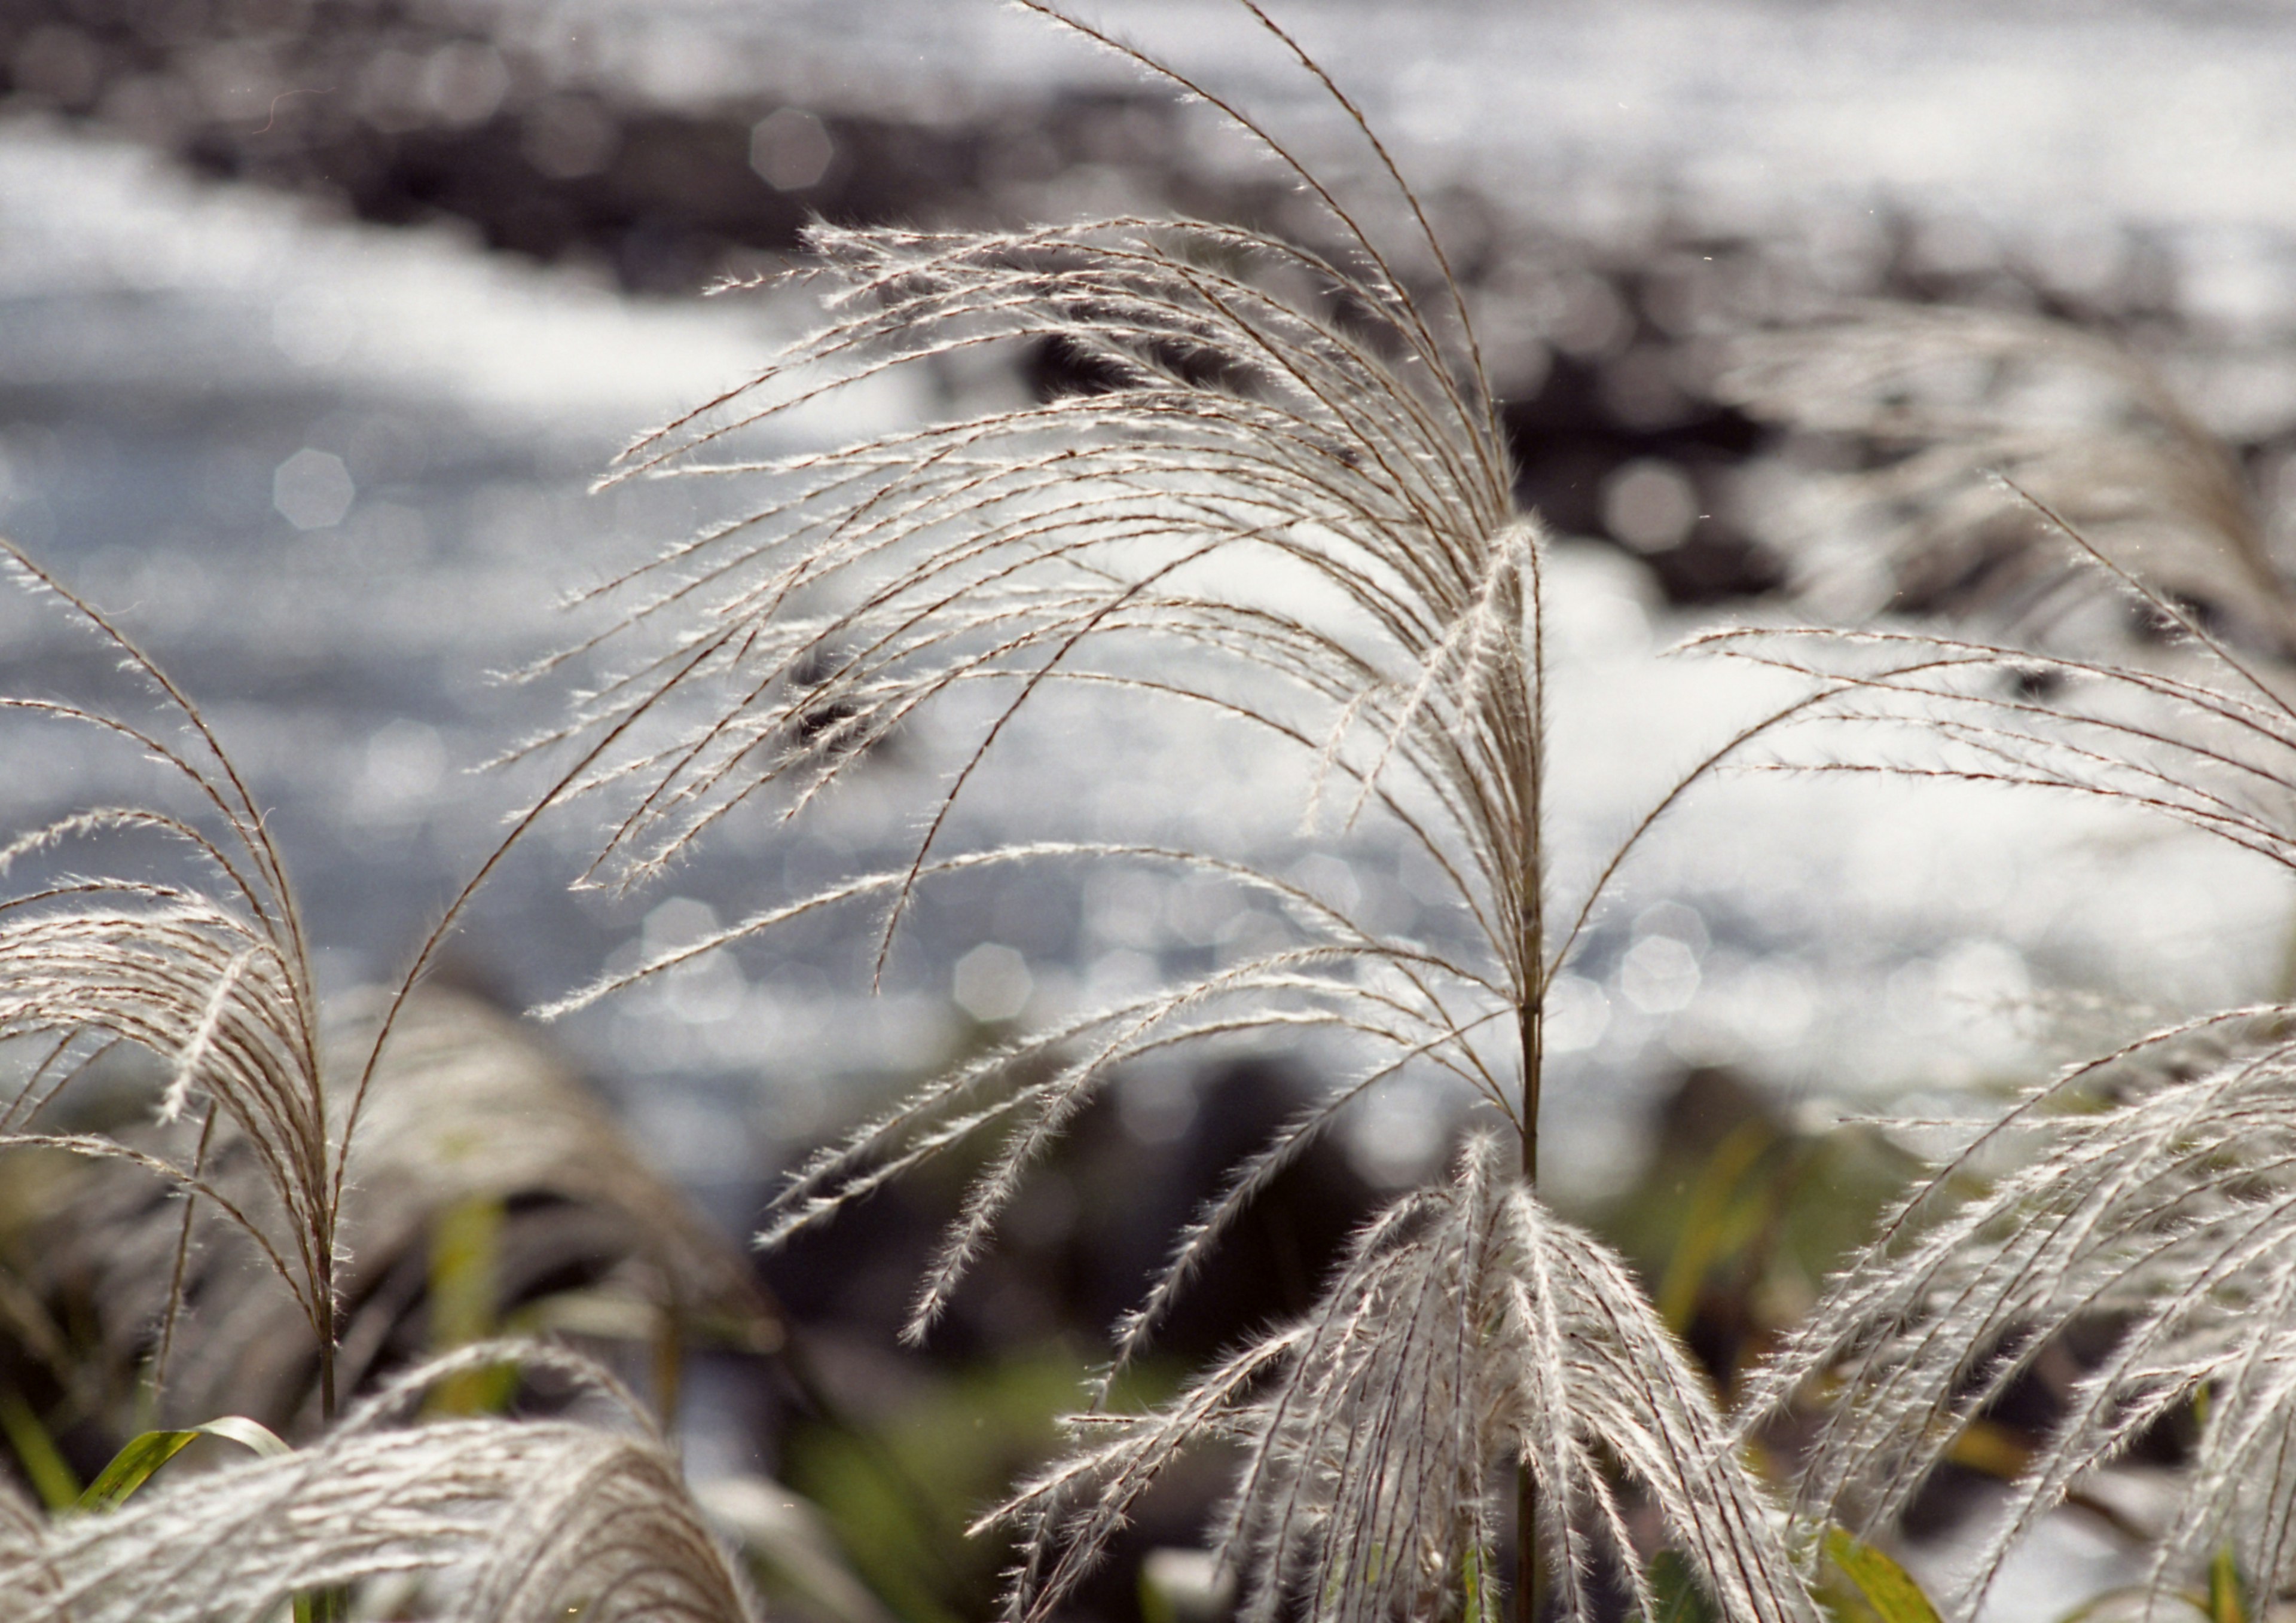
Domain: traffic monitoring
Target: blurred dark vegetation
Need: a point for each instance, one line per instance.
(405, 114)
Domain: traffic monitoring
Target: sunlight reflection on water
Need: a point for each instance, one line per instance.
(334, 474)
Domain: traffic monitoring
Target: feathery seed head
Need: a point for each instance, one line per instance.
(2151, 1192)
(1467, 1331)
(483, 1520)
(1285, 503)
(217, 988)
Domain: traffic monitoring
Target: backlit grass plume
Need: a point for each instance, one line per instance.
(2147, 1193)
(481, 1520)
(206, 972)
(252, 1119)
(1286, 502)
(215, 986)
(1463, 1316)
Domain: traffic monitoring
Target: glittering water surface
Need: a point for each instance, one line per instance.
(334, 476)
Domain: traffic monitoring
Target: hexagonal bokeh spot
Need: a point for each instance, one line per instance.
(312, 489)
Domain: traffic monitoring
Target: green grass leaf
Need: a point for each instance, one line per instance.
(2227, 1593)
(145, 1453)
(35, 1451)
(1887, 1586)
(1675, 1592)
(466, 1305)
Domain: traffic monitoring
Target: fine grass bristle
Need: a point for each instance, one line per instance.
(1464, 1322)
(218, 988)
(489, 1521)
(2148, 1190)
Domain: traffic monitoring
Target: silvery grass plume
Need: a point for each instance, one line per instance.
(1463, 1316)
(210, 976)
(474, 1128)
(1934, 397)
(481, 1520)
(2149, 1190)
(218, 987)
(1290, 507)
